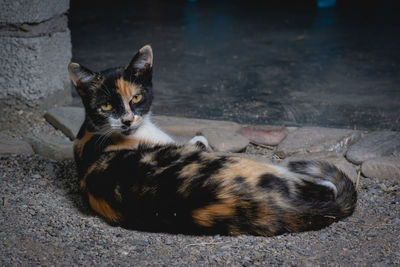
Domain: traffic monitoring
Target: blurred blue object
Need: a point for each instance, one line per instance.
(326, 3)
(192, 1)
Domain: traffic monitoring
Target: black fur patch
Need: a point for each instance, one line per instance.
(271, 182)
(239, 179)
(299, 166)
(314, 192)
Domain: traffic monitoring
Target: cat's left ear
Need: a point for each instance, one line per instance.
(142, 63)
(82, 78)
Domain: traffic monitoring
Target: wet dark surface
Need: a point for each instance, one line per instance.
(253, 63)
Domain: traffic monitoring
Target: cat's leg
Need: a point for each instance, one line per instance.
(201, 142)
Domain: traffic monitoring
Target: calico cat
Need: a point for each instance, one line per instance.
(136, 176)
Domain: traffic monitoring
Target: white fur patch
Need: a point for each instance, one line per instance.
(330, 185)
(198, 138)
(150, 133)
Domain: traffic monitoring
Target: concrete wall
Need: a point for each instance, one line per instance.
(35, 49)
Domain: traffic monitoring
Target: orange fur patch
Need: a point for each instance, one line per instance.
(206, 216)
(246, 168)
(103, 208)
(121, 142)
(126, 89)
(123, 145)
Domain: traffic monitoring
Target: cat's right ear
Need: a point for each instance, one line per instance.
(81, 77)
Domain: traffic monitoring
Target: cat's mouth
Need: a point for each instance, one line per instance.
(128, 130)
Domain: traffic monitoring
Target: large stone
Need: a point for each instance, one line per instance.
(34, 70)
(52, 147)
(31, 11)
(9, 145)
(382, 168)
(264, 135)
(316, 139)
(66, 119)
(189, 127)
(373, 145)
(222, 140)
(332, 157)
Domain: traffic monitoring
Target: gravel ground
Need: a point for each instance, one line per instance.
(45, 221)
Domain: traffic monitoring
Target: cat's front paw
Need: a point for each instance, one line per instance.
(201, 142)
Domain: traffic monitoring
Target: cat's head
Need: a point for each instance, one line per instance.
(116, 100)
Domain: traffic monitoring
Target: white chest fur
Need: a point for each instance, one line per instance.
(148, 132)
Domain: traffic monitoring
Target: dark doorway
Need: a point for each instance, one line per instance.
(274, 62)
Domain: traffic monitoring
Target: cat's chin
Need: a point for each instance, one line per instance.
(129, 131)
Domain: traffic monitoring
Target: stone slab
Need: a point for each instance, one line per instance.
(382, 168)
(332, 157)
(51, 146)
(66, 119)
(10, 145)
(223, 140)
(31, 11)
(264, 135)
(33, 69)
(316, 139)
(181, 140)
(189, 127)
(373, 145)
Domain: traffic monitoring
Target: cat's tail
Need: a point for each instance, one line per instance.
(324, 194)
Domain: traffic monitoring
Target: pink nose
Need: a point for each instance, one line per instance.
(127, 121)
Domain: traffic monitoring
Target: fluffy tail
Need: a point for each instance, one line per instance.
(327, 194)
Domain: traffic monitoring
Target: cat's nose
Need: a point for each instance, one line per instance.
(127, 121)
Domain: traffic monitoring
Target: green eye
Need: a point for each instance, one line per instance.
(137, 98)
(106, 107)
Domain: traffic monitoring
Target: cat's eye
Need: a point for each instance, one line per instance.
(106, 107)
(137, 98)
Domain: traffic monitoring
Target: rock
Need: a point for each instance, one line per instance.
(33, 70)
(316, 139)
(66, 119)
(181, 140)
(222, 140)
(189, 127)
(382, 168)
(257, 158)
(52, 147)
(373, 145)
(265, 135)
(332, 157)
(10, 145)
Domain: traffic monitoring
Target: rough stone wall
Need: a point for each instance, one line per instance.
(35, 49)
